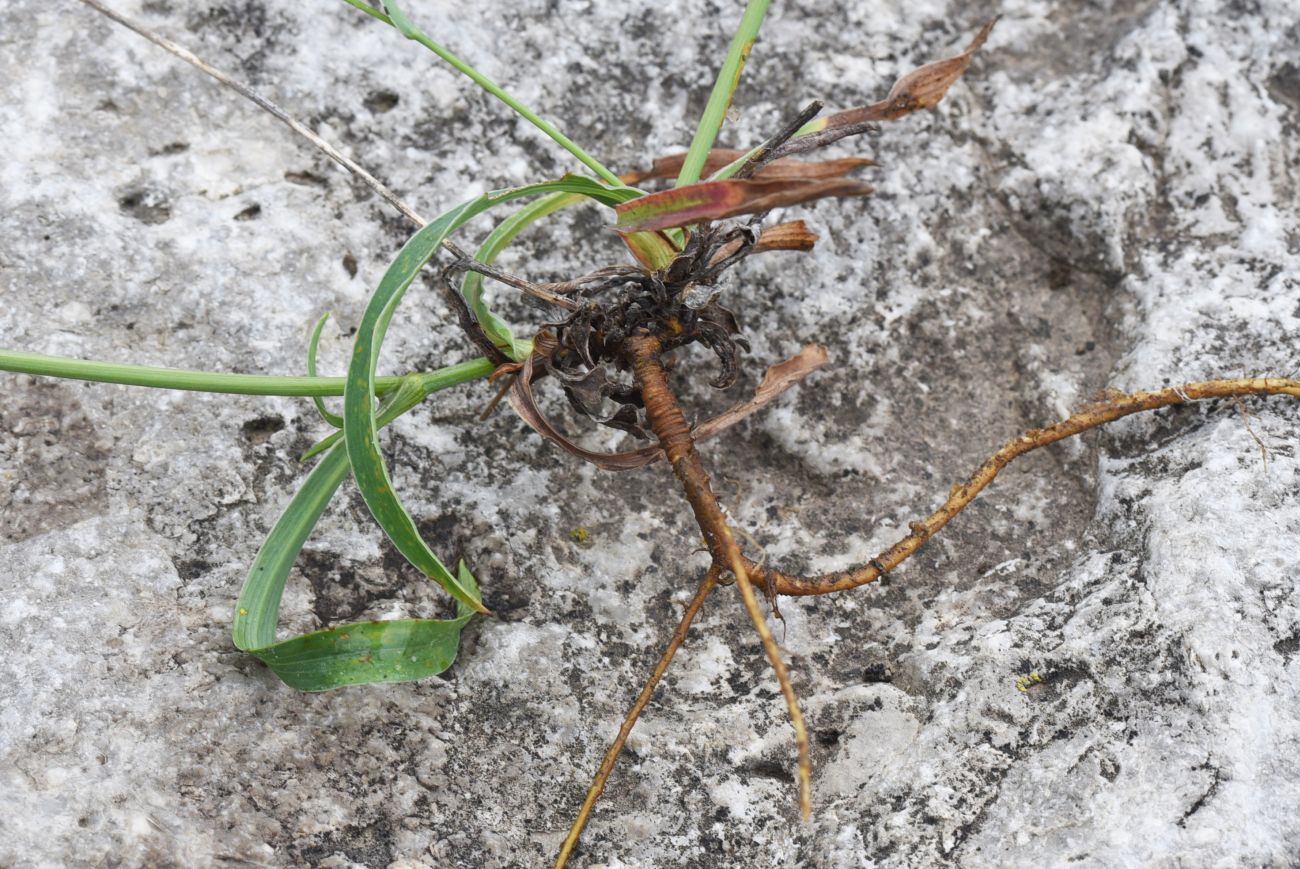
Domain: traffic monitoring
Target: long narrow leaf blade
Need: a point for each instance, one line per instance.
(346, 654)
(714, 200)
(724, 88)
(360, 428)
(259, 602)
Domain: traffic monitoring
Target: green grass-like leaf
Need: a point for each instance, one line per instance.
(391, 651)
(333, 658)
(325, 413)
(400, 650)
(360, 425)
(724, 88)
(259, 601)
(397, 18)
(500, 238)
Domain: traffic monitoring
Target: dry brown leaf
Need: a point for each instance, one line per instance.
(777, 170)
(777, 380)
(793, 235)
(921, 88)
(715, 200)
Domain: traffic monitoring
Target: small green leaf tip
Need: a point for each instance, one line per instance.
(332, 418)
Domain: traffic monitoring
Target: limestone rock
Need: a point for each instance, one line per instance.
(1106, 200)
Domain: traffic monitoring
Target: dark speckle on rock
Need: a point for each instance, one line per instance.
(381, 101)
(146, 205)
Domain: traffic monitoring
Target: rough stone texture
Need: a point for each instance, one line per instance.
(1108, 200)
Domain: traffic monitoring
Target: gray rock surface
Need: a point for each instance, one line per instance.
(1107, 200)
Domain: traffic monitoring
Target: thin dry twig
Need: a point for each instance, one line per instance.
(538, 291)
(265, 104)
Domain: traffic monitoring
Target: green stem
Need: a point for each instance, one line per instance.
(235, 384)
(396, 19)
(415, 389)
(723, 90)
(430, 382)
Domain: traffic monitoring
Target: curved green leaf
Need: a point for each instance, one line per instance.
(259, 601)
(391, 651)
(325, 413)
(413, 389)
(472, 286)
(360, 432)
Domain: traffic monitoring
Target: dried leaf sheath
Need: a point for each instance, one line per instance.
(776, 170)
(794, 235)
(776, 381)
(716, 200)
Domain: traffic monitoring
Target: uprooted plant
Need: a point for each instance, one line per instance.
(611, 343)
